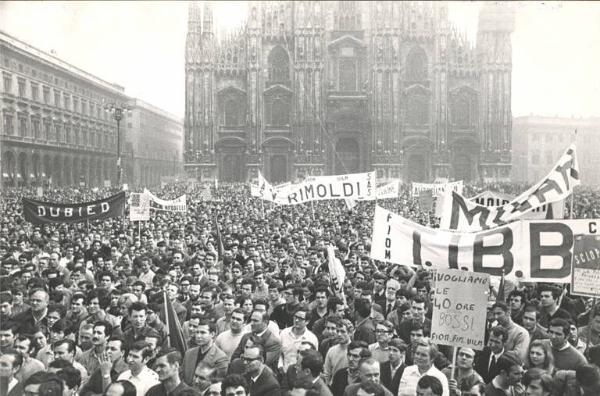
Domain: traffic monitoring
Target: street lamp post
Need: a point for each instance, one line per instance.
(117, 111)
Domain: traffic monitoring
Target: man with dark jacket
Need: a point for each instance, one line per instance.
(262, 382)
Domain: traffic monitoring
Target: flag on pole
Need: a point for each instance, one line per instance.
(220, 248)
(337, 272)
(173, 328)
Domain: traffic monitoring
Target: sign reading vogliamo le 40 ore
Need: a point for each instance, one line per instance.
(459, 309)
(39, 212)
(585, 278)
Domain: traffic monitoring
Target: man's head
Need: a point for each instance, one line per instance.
(311, 364)
(588, 378)
(417, 308)
(424, 354)
(369, 370)
(84, 338)
(7, 334)
(538, 382)
(115, 348)
(101, 333)
(38, 299)
(384, 331)
(465, 358)
(10, 362)
(516, 298)
(137, 315)
(429, 385)
(235, 385)
(64, 350)
(6, 302)
(549, 295)
(253, 358)
(355, 352)
(510, 368)
(397, 351)
(203, 375)
(138, 356)
(501, 313)
(497, 338)
(301, 319)
(530, 318)
(205, 333)
(559, 330)
(167, 363)
(259, 321)
(24, 345)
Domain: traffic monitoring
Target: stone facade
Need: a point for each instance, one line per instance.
(310, 88)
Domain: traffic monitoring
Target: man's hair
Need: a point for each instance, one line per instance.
(399, 344)
(6, 297)
(556, 291)
(172, 354)
(358, 344)
(532, 308)
(312, 360)
(143, 347)
(107, 327)
(7, 325)
(588, 376)
(71, 376)
(24, 337)
(534, 374)
(137, 306)
(502, 305)
(68, 342)
(499, 331)
(17, 358)
(517, 293)
(372, 388)
(507, 361)
(206, 321)
(432, 383)
(362, 307)
(333, 302)
(425, 342)
(261, 350)
(560, 322)
(261, 301)
(234, 381)
(121, 340)
(59, 364)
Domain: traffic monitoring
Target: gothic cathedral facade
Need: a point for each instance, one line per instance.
(315, 88)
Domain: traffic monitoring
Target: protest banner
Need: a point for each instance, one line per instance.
(389, 191)
(356, 186)
(585, 277)
(460, 303)
(437, 188)
(459, 213)
(174, 205)
(531, 250)
(39, 192)
(38, 212)
(139, 207)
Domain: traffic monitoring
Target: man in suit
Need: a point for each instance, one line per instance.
(259, 321)
(369, 370)
(206, 352)
(487, 361)
(262, 382)
(311, 367)
(391, 371)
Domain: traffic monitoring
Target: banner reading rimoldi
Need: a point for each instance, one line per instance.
(527, 250)
(38, 212)
(459, 213)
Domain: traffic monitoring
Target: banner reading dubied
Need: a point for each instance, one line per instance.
(459, 306)
(38, 212)
(585, 277)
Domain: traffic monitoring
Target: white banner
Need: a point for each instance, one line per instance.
(555, 210)
(459, 213)
(356, 186)
(459, 304)
(139, 207)
(390, 190)
(528, 250)
(437, 188)
(173, 205)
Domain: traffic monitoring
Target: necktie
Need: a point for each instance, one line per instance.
(492, 363)
(389, 309)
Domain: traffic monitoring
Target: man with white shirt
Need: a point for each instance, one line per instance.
(292, 336)
(229, 340)
(425, 353)
(139, 374)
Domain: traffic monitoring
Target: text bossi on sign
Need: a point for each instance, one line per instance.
(460, 301)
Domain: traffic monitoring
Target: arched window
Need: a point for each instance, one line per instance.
(231, 112)
(416, 65)
(348, 74)
(463, 109)
(417, 109)
(279, 65)
(278, 111)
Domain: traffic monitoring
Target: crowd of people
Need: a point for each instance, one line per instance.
(92, 309)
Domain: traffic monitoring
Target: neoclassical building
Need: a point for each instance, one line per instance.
(55, 131)
(311, 88)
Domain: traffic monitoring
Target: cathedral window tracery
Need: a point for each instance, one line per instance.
(416, 65)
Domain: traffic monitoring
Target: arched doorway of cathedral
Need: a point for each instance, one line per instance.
(417, 159)
(279, 169)
(347, 156)
(231, 159)
(464, 159)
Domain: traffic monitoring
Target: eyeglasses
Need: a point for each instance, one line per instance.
(382, 331)
(299, 317)
(466, 355)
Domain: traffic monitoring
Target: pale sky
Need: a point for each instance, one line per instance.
(140, 45)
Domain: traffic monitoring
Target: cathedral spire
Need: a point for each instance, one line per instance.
(194, 19)
(192, 44)
(207, 23)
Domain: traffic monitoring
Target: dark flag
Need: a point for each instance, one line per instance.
(501, 296)
(175, 336)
